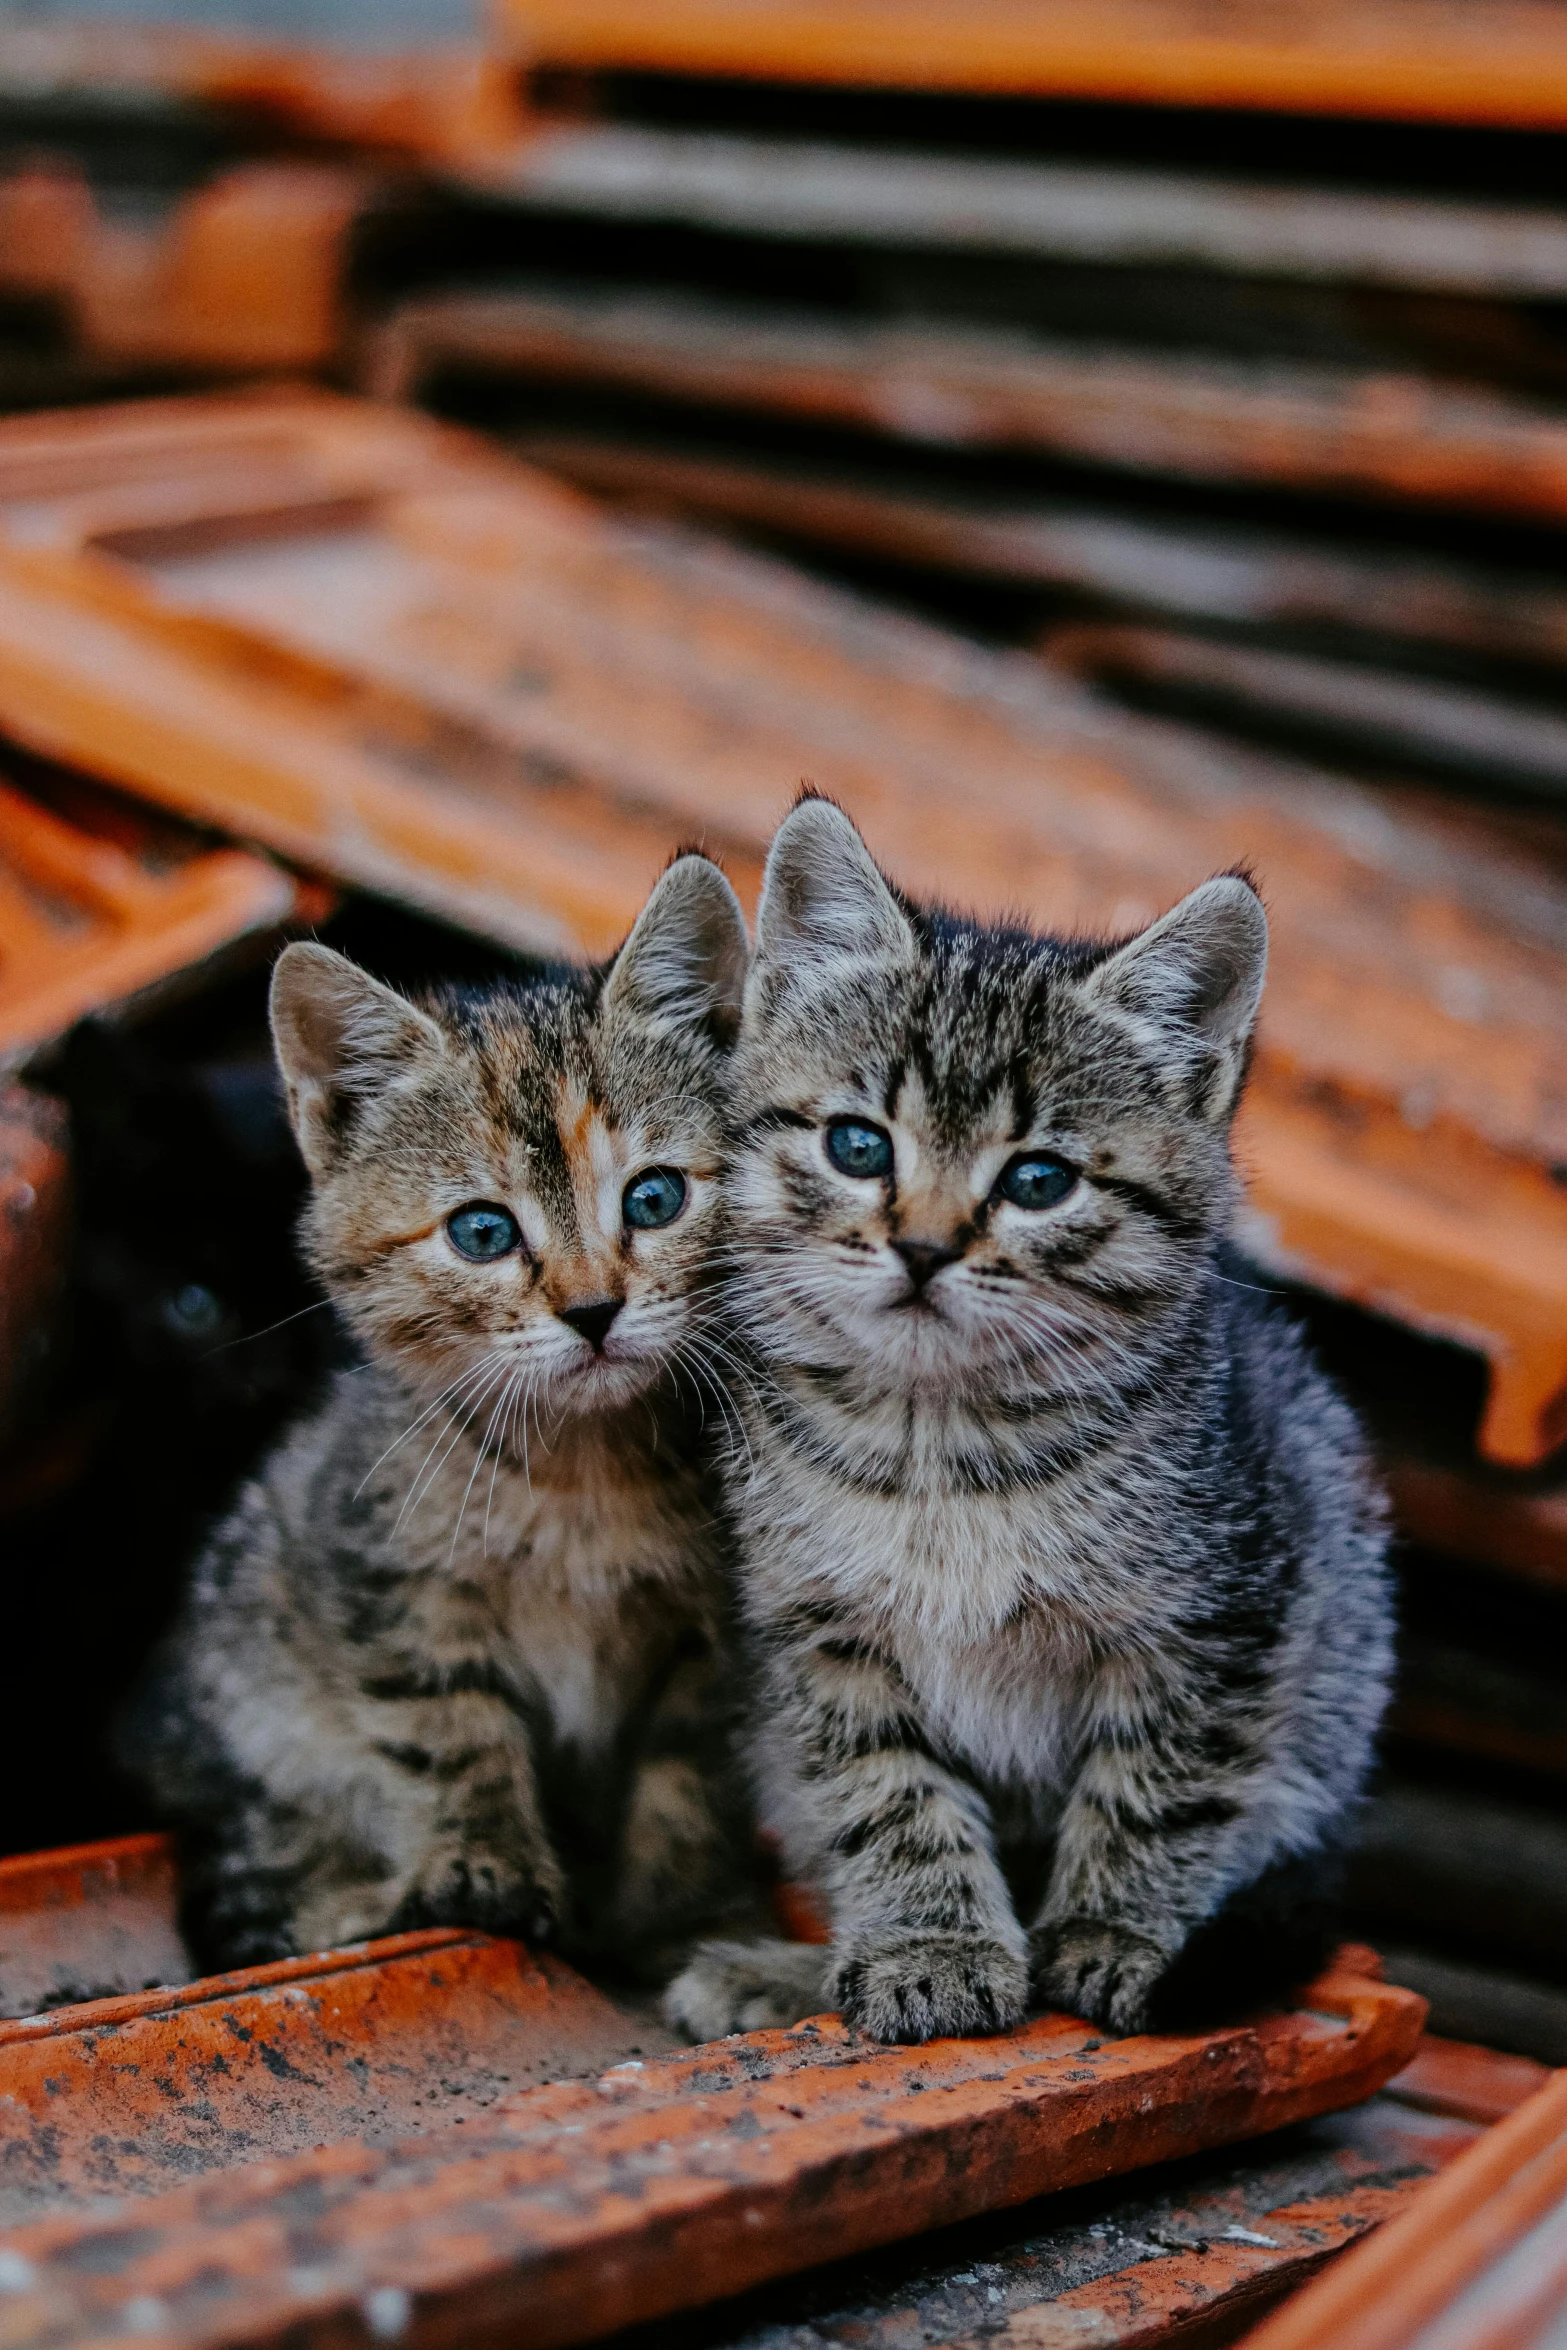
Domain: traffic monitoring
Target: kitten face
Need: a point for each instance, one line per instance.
(972, 1157)
(516, 1190)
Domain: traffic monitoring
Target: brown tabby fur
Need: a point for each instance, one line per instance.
(458, 1655)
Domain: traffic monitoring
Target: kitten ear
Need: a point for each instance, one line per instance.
(823, 895)
(1195, 979)
(684, 964)
(338, 1033)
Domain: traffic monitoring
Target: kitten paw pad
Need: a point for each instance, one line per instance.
(747, 1987)
(932, 1987)
(1097, 1969)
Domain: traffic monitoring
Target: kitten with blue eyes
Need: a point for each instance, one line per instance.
(458, 1655)
(1061, 1562)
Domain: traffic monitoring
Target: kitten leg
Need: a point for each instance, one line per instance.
(1145, 1851)
(926, 1943)
(265, 1882)
(682, 1864)
(459, 1808)
(747, 1987)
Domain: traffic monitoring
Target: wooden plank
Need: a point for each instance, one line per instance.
(1194, 418)
(396, 657)
(1084, 213)
(569, 2210)
(1406, 60)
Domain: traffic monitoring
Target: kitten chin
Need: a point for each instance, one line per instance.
(459, 1653)
(1061, 1561)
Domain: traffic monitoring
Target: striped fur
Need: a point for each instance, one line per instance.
(457, 1657)
(1061, 1562)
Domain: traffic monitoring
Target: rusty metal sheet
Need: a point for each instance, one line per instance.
(565, 2211)
(1298, 426)
(436, 98)
(1217, 571)
(784, 188)
(91, 914)
(1420, 60)
(1478, 2261)
(245, 272)
(35, 1221)
(394, 656)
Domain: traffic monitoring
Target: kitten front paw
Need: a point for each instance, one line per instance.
(1097, 1969)
(469, 1886)
(747, 1987)
(931, 1987)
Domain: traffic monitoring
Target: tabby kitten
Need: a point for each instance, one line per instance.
(1062, 1565)
(456, 1656)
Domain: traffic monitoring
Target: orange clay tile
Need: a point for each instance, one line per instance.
(414, 2032)
(457, 98)
(564, 2211)
(243, 273)
(394, 656)
(1292, 426)
(1420, 60)
(1521, 1529)
(1477, 2261)
(1237, 2233)
(88, 1921)
(86, 922)
(129, 2095)
(1470, 2083)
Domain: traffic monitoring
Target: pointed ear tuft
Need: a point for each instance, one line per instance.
(684, 965)
(1194, 980)
(338, 1035)
(823, 896)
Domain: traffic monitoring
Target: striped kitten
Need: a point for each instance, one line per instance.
(1062, 1565)
(455, 1658)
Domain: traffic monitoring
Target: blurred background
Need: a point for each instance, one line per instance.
(450, 458)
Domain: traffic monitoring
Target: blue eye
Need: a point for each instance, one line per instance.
(1037, 1183)
(653, 1199)
(860, 1150)
(483, 1231)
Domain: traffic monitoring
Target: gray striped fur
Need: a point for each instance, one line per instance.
(1064, 1574)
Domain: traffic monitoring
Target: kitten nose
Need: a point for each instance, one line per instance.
(592, 1321)
(925, 1258)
